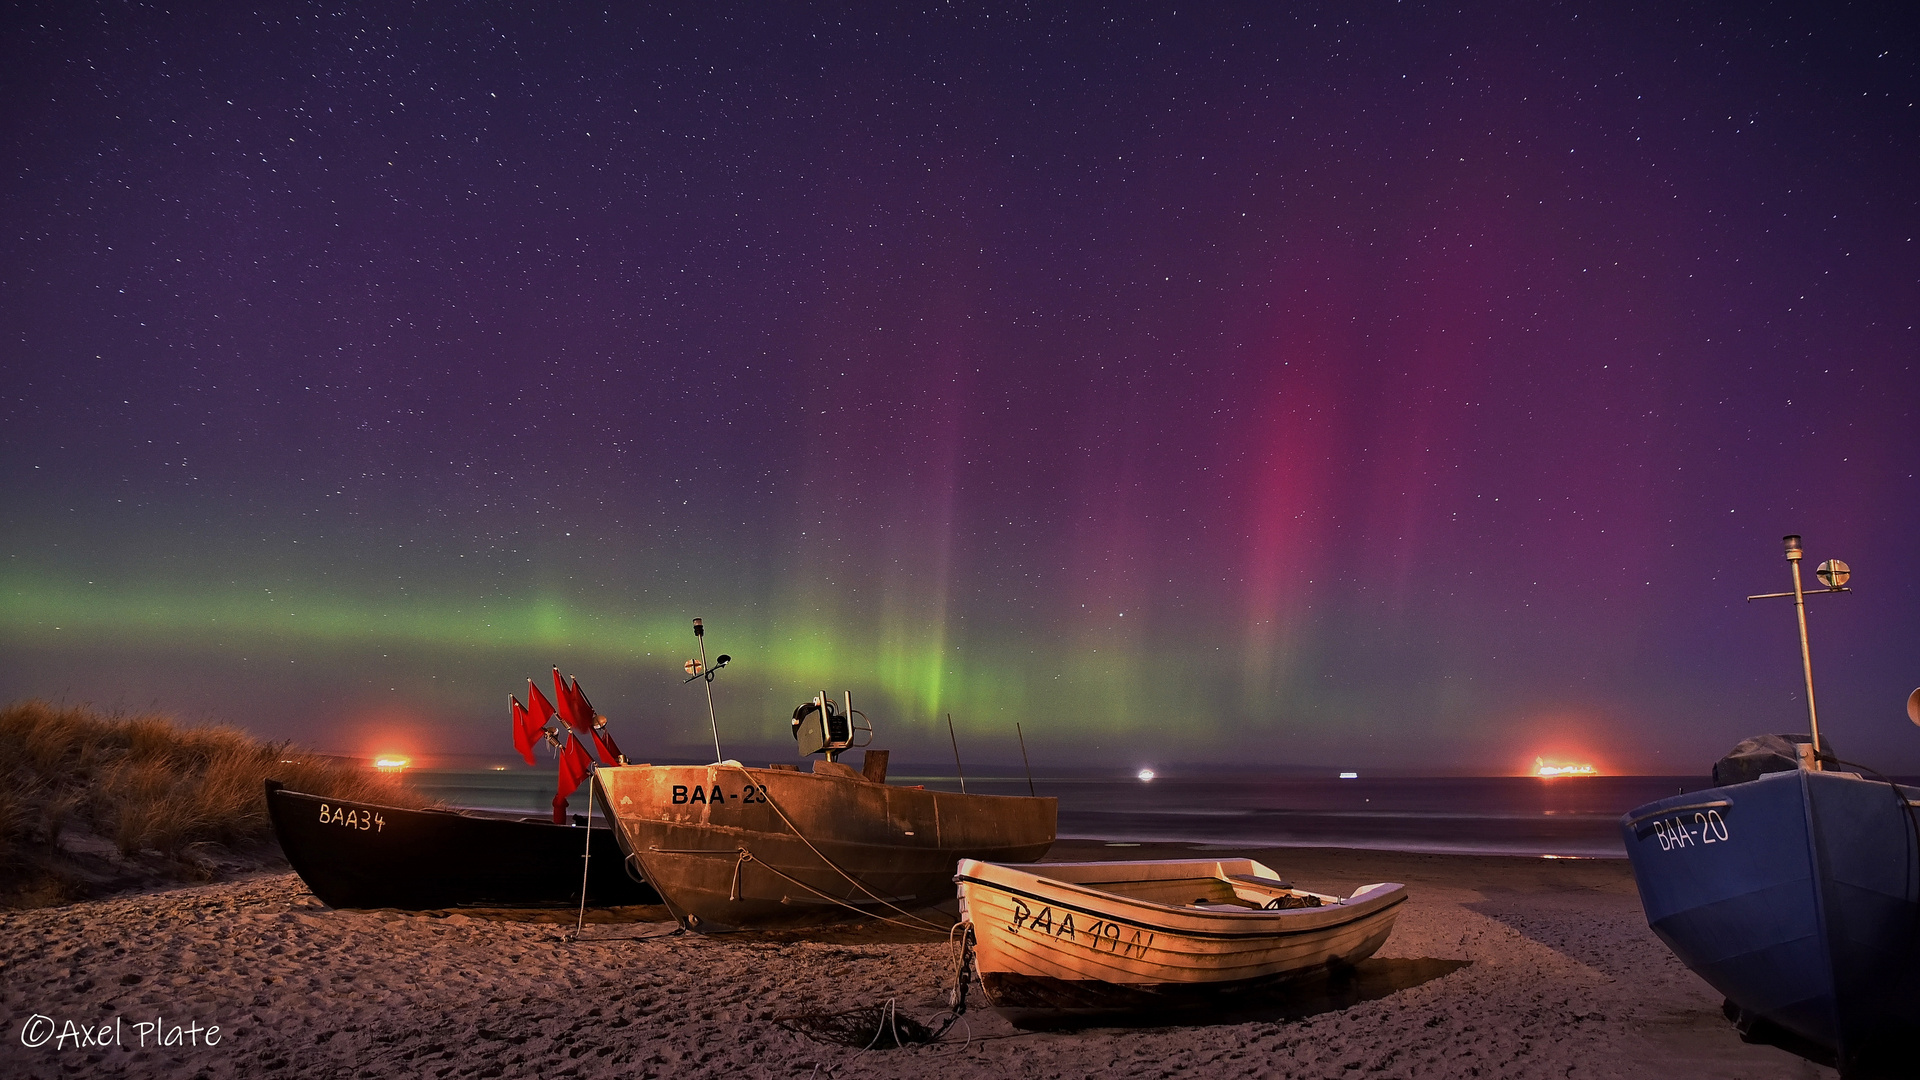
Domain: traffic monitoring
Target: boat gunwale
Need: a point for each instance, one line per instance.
(464, 813)
(833, 778)
(1354, 913)
(789, 838)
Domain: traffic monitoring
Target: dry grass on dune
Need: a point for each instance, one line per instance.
(165, 798)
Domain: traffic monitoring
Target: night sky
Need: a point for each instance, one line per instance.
(1362, 386)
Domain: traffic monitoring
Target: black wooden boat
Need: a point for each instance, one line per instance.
(362, 855)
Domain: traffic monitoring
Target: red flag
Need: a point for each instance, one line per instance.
(575, 765)
(538, 702)
(581, 706)
(526, 729)
(609, 750)
(574, 707)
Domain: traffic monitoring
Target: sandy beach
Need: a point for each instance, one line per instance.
(1499, 967)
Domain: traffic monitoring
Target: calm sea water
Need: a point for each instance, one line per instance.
(1574, 816)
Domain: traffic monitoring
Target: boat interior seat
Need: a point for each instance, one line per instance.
(1260, 882)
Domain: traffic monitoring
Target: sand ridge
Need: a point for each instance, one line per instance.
(1497, 968)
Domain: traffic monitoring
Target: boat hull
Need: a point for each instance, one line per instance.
(364, 855)
(731, 847)
(1044, 941)
(1797, 896)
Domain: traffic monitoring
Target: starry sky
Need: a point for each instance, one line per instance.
(1361, 385)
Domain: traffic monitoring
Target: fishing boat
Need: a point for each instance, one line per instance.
(1793, 885)
(733, 847)
(1129, 935)
(364, 855)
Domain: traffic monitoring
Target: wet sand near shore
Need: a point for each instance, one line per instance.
(1498, 967)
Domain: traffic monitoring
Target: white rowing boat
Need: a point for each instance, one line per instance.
(1104, 935)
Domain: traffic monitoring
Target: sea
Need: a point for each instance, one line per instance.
(1562, 817)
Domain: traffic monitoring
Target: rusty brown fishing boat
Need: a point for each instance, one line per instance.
(732, 847)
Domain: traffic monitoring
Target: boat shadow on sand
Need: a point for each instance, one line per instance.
(1331, 991)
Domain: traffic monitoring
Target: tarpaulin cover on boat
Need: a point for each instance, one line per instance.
(1760, 755)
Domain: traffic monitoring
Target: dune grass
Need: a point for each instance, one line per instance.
(163, 794)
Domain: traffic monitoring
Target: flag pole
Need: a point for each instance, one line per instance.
(587, 855)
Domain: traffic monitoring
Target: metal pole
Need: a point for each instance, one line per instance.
(1023, 756)
(700, 635)
(585, 856)
(956, 754)
(1806, 654)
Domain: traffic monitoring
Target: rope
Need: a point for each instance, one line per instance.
(748, 856)
(831, 865)
(963, 978)
(889, 1019)
(871, 1027)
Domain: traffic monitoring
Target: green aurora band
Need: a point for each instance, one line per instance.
(918, 669)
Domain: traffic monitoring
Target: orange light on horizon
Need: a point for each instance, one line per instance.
(390, 763)
(1546, 771)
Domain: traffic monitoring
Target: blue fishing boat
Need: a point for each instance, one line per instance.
(1796, 895)
(1793, 885)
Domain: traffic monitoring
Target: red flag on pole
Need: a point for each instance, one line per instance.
(538, 703)
(526, 729)
(575, 766)
(609, 750)
(574, 707)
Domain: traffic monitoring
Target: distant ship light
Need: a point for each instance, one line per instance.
(1145, 775)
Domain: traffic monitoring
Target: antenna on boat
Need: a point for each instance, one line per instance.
(951, 737)
(698, 669)
(1029, 764)
(1833, 574)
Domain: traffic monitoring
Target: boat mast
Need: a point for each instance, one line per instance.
(1833, 574)
(700, 635)
(1806, 655)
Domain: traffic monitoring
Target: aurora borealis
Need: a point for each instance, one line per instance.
(1378, 386)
